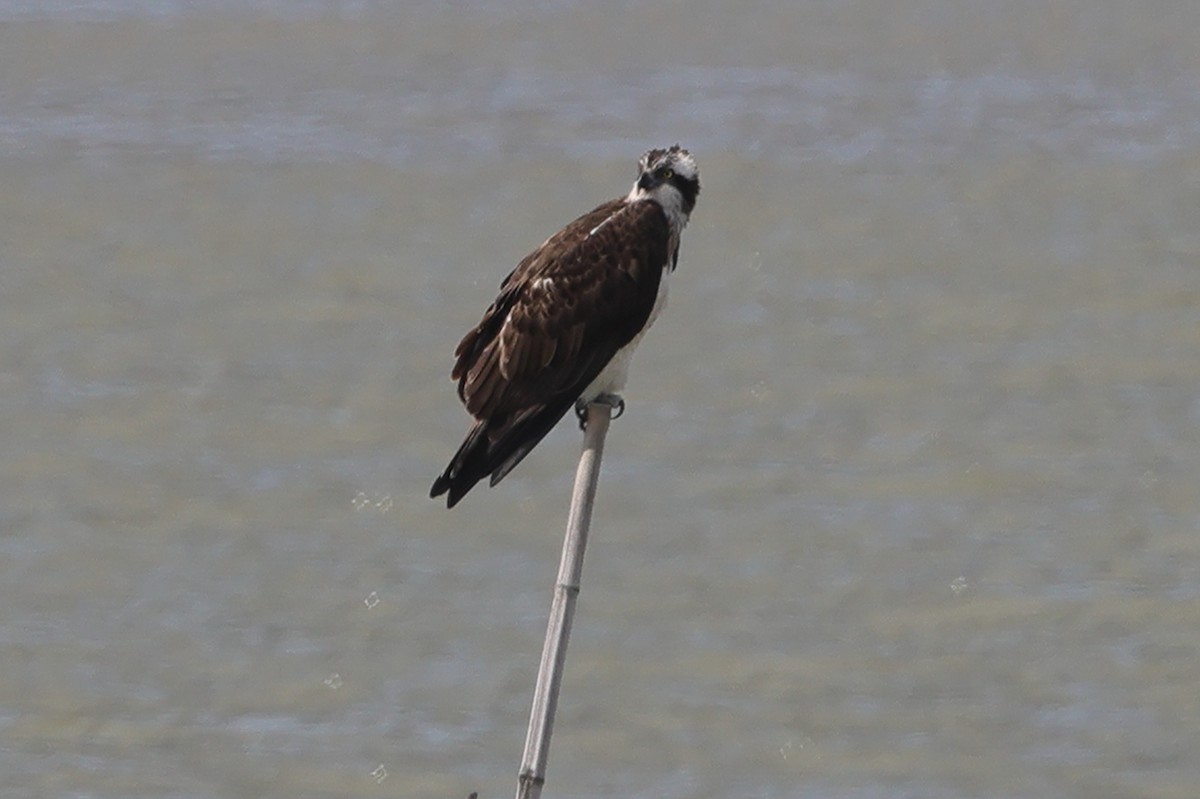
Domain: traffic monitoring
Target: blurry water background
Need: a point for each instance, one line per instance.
(906, 500)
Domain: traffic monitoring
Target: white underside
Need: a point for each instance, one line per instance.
(612, 379)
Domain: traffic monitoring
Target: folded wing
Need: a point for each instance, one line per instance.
(560, 317)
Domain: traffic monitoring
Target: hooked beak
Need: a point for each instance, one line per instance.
(647, 181)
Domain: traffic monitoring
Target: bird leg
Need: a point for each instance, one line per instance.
(614, 401)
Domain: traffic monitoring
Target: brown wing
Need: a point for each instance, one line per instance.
(561, 315)
(565, 311)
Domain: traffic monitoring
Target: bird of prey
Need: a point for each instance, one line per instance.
(567, 319)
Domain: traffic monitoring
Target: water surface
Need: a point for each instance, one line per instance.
(905, 501)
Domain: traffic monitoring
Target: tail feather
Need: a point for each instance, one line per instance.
(465, 469)
(495, 451)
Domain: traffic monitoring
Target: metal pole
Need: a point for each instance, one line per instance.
(562, 610)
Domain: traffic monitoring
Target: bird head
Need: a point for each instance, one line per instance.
(670, 177)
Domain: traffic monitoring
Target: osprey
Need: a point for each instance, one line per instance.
(562, 330)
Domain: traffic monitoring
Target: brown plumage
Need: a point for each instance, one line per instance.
(561, 316)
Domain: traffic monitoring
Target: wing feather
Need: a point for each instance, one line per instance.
(561, 316)
(565, 311)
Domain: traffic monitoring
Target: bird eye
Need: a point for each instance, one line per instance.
(666, 173)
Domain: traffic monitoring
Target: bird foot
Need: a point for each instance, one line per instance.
(614, 401)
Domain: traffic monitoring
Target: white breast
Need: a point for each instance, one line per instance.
(612, 379)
